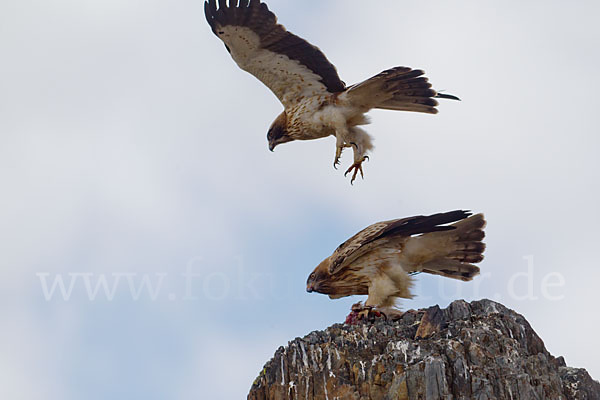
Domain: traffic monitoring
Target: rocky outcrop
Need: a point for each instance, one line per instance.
(479, 350)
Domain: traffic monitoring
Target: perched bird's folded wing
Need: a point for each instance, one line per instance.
(290, 66)
(372, 235)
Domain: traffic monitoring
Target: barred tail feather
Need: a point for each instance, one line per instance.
(451, 269)
(399, 88)
(450, 253)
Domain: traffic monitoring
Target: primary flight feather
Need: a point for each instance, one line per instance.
(316, 102)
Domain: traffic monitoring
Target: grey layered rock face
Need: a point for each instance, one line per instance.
(479, 350)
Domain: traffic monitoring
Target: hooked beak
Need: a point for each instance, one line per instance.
(272, 147)
(310, 289)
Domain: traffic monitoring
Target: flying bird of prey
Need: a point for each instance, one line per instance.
(316, 102)
(379, 261)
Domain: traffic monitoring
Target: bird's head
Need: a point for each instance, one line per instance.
(319, 280)
(278, 132)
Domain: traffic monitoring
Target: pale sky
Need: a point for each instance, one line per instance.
(132, 147)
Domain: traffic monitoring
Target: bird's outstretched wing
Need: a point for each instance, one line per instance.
(290, 66)
(365, 240)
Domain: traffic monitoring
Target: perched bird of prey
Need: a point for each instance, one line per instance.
(379, 260)
(316, 102)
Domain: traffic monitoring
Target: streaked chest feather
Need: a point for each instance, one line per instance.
(311, 118)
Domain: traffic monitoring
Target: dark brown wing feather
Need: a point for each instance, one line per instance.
(273, 36)
(360, 242)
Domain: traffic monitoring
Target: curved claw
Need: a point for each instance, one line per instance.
(356, 167)
(367, 313)
(336, 162)
(354, 144)
(366, 158)
(338, 156)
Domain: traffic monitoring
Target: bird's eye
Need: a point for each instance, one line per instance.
(312, 276)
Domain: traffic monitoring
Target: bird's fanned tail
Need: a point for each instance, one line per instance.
(399, 88)
(451, 253)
